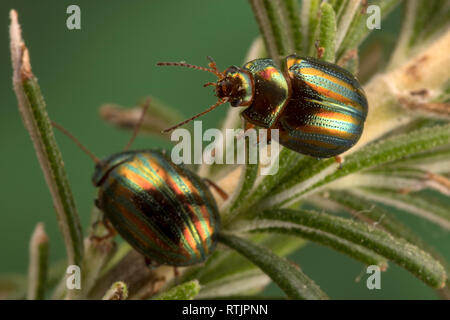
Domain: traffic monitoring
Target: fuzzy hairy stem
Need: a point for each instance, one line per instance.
(34, 115)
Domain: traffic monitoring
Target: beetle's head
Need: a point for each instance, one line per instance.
(234, 85)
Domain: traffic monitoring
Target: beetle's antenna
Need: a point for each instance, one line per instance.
(218, 103)
(212, 65)
(77, 142)
(138, 124)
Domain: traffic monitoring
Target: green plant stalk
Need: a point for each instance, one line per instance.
(413, 204)
(357, 30)
(327, 32)
(289, 278)
(291, 14)
(246, 181)
(38, 267)
(419, 263)
(34, 115)
(313, 18)
(365, 210)
(270, 27)
(353, 250)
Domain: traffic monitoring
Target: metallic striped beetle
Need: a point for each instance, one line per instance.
(164, 211)
(318, 107)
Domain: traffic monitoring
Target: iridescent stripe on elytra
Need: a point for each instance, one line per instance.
(306, 132)
(159, 182)
(128, 186)
(193, 197)
(175, 181)
(328, 86)
(192, 194)
(328, 81)
(336, 106)
(128, 224)
(132, 186)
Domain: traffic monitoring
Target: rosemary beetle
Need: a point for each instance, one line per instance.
(164, 211)
(318, 107)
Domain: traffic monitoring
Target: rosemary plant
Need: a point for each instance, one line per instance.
(405, 148)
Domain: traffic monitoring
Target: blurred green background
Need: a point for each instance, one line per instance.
(112, 59)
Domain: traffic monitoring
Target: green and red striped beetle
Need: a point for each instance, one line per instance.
(164, 211)
(318, 107)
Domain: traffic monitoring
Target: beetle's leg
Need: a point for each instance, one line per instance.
(97, 204)
(339, 160)
(176, 272)
(434, 180)
(320, 50)
(111, 231)
(209, 84)
(219, 190)
(150, 263)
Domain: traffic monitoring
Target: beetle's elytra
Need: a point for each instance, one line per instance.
(164, 211)
(318, 107)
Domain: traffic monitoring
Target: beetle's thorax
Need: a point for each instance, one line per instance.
(237, 85)
(106, 165)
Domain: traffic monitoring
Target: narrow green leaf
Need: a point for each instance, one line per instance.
(415, 203)
(246, 182)
(401, 51)
(327, 34)
(291, 14)
(271, 28)
(185, 291)
(339, 6)
(357, 31)
(439, 22)
(313, 26)
(350, 11)
(291, 164)
(422, 20)
(228, 263)
(434, 160)
(408, 256)
(290, 279)
(38, 266)
(337, 243)
(118, 291)
(363, 209)
(34, 115)
(426, 12)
